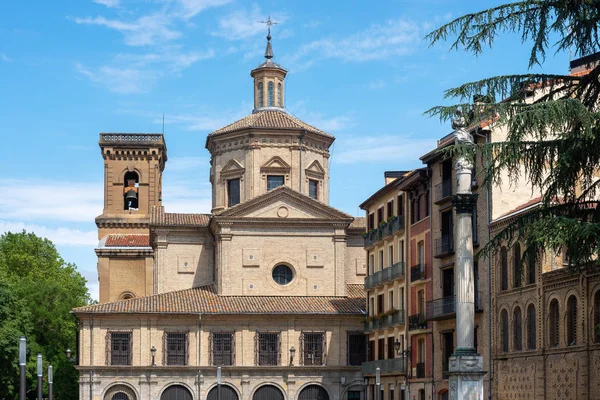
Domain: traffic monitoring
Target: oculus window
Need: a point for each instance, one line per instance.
(282, 274)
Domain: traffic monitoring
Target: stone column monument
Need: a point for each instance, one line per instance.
(466, 366)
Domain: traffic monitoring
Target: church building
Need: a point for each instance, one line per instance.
(262, 299)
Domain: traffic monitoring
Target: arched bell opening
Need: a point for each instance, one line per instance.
(131, 191)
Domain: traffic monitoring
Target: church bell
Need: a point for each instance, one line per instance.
(131, 195)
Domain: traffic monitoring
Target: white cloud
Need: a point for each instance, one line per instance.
(108, 3)
(5, 58)
(59, 236)
(119, 80)
(243, 24)
(390, 39)
(190, 8)
(382, 148)
(27, 200)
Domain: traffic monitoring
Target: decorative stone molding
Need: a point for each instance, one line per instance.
(464, 203)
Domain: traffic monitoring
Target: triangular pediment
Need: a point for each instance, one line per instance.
(315, 169)
(232, 166)
(275, 163)
(285, 204)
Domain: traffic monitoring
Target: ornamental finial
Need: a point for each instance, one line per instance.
(269, 50)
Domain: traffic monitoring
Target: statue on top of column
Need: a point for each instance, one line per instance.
(462, 137)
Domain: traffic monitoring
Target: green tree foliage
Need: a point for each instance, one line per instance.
(37, 292)
(553, 140)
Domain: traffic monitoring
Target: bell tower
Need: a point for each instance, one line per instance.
(133, 167)
(269, 81)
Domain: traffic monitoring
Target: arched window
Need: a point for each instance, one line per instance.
(518, 329)
(553, 324)
(531, 323)
(271, 94)
(517, 265)
(504, 328)
(279, 95)
(504, 268)
(261, 95)
(176, 392)
(572, 321)
(530, 269)
(596, 326)
(131, 182)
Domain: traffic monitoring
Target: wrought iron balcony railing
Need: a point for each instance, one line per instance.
(391, 365)
(417, 321)
(395, 318)
(417, 272)
(444, 245)
(443, 191)
(385, 229)
(445, 307)
(385, 275)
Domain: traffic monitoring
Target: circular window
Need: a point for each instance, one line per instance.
(282, 274)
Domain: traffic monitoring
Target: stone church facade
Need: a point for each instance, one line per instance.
(263, 295)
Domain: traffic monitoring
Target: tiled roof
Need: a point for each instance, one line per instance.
(158, 217)
(359, 222)
(132, 240)
(268, 119)
(204, 300)
(356, 291)
(522, 207)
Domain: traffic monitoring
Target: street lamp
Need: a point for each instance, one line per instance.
(397, 346)
(22, 362)
(49, 382)
(40, 373)
(153, 352)
(292, 354)
(378, 383)
(69, 359)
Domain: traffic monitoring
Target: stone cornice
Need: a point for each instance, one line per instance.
(124, 252)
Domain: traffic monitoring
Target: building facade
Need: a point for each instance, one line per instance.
(260, 299)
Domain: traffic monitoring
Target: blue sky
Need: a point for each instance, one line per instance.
(70, 69)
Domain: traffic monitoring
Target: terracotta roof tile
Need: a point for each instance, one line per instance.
(204, 300)
(523, 206)
(158, 217)
(356, 291)
(358, 223)
(132, 240)
(268, 119)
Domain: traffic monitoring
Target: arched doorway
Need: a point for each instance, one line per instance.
(313, 392)
(176, 392)
(119, 392)
(268, 392)
(227, 393)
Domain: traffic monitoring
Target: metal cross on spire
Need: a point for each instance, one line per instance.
(269, 22)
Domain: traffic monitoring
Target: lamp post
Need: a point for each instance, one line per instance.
(366, 388)
(49, 382)
(40, 373)
(69, 359)
(153, 352)
(22, 362)
(219, 382)
(292, 354)
(378, 383)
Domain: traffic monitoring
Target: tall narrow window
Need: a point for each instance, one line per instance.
(313, 189)
(426, 206)
(596, 327)
(572, 321)
(222, 348)
(233, 192)
(267, 348)
(401, 299)
(119, 348)
(531, 323)
(279, 95)
(391, 255)
(518, 329)
(131, 191)
(401, 250)
(530, 269)
(379, 216)
(270, 94)
(357, 342)
(517, 273)
(381, 349)
(390, 209)
(390, 347)
(312, 346)
(447, 351)
(176, 345)
(504, 329)
(261, 95)
(503, 268)
(371, 221)
(380, 260)
(274, 181)
(371, 264)
(553, 325)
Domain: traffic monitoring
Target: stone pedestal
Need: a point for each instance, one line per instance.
(466, 377)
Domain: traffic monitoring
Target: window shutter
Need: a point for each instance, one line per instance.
(187, 349)
(301, 358)
(279, 348)
(324, 357)
(130, 349)
(256, 348)
(108, 347)
(165, 350)
(233, 348)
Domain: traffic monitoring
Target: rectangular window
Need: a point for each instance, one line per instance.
(267, 346)
(222, 348)
(401, 298)
(371, 350)
(274, 181)
(380, 260)
(371, 221)
(447, 349)
(119, 346)
(357, 343)
(372, 306)
(390, 299)
(380, 304)
(381, 349)
(176, 348)
(379, 215)
(390, 347)
(399, 202)
(371, 264)
(313, 189)
(233, 192)
(401, 251)
(391, 255)
(390, 209)
(354, 394)
(312, 345)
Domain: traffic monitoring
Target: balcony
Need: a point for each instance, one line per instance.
(420, 370)
(417, 272)
(444, 245)
(442, 191)
(391, 365)
(385, 275)
(417, 321)
(387, 228)
(445, 308)
(396, 317)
